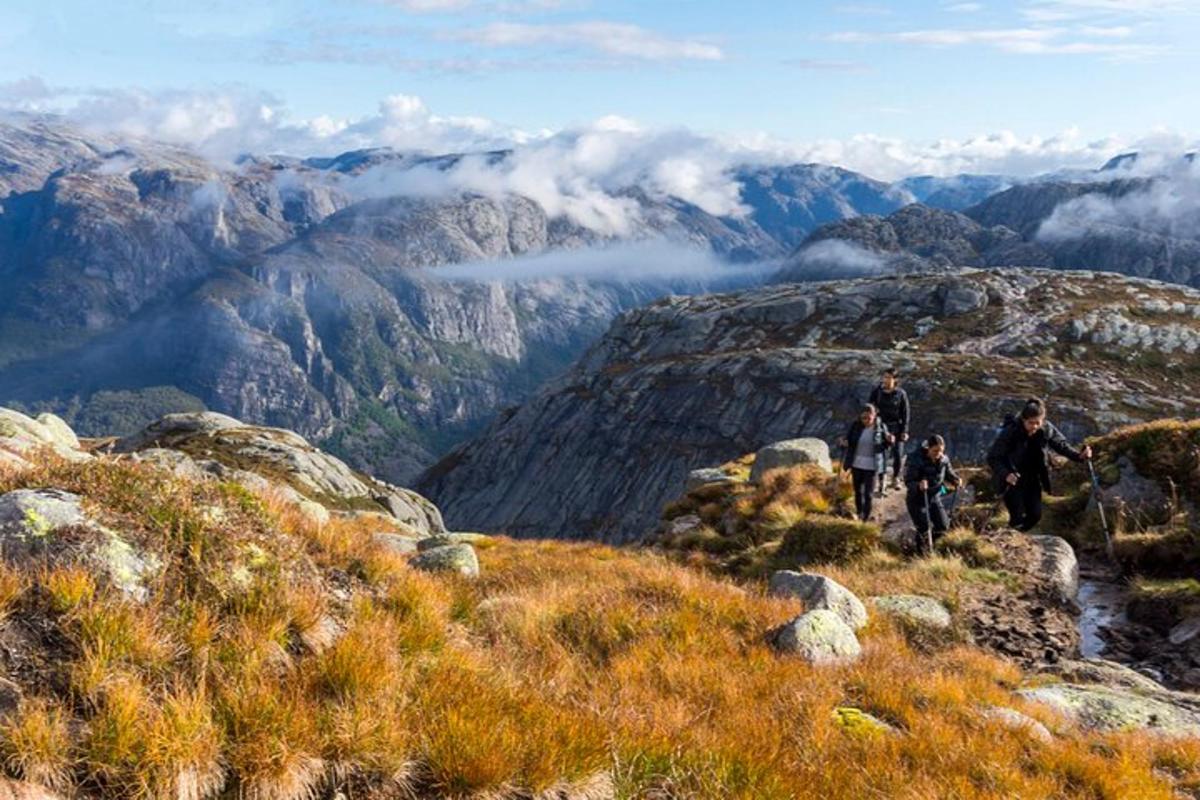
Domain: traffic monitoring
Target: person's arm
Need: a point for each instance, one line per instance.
(952, 475)
(1059, 444)
(904, 413)
(873, 397)
(912, 471)
(997, 458)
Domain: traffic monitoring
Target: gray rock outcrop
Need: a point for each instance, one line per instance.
(790, 453)
(818, 591)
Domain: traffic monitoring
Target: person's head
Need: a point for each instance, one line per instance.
(935, 445)
(1033, 415)
(866, 414)
(889, 380)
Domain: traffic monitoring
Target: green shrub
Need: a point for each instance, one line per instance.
(819, 538)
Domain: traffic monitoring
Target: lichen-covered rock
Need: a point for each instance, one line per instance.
(1014, 720)
(857, 722)
(31, 521)
(790, 453)
(1111, 709)
(914, 610)
(819, 637)
(458, 558)
(1105, 673)
(818, 591)
(1058, 565)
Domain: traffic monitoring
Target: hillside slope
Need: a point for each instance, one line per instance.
(166, 633)
(691, 382)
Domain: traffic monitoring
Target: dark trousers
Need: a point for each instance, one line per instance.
(1024, 503)
(864, 491)
(936, 516)
(895, 453)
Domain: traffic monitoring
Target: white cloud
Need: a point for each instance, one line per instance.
(964, 8)
(653, 260)
(1169, 205)
(1033, 40)
(1061, 10)
(610, 38)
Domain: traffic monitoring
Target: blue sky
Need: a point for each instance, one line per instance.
(783, 71)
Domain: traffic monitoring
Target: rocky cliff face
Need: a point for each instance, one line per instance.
(140, 275)
(686, 383)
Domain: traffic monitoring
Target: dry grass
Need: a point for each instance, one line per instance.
(563, 665)
(794, 517)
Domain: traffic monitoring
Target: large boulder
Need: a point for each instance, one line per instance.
(264, 459)
(914, 610)
(1111, 709)
(458, 558)
(32, 523)
(819, 637)
(817, 591)
(21, 436)
(1058, 565)
(790, 453)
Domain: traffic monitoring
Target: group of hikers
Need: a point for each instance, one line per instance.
(1019, 459)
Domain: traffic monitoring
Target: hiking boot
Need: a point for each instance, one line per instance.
(895, 481)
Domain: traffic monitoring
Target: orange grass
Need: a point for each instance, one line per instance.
(563, 665)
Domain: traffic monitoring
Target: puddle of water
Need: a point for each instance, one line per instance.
(1103, 606)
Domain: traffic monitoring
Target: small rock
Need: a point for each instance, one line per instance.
(1058, 565)
(914, 609)
(819, 637)
(314, 512)
(681, 525)
(445, 539)
(790, 453)
(709, 475)
(1016, 721)
(817, 591)
(1185, 631)
(396, 543)
(458, 558)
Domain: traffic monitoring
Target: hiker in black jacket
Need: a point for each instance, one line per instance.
(927, 475)
(866, 444)
(892, 402)
(1020, 462)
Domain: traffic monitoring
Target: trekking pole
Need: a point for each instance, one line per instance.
(953, 505)
(1096, 492)
(928, 526)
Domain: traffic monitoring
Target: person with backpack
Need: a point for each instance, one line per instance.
(927, 476)
(866, 445)
(1020, 462)
(892, 402)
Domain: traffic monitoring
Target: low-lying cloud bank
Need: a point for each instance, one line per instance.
(1168, 205)
(653, 261)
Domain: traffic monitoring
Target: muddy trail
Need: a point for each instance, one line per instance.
(1034, 615)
